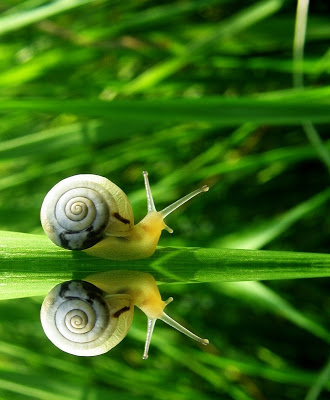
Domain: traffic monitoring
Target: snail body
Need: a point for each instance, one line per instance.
(90, 317)
(89, 212)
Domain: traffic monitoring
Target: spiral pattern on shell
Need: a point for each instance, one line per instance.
(79, 211)
(77, 319)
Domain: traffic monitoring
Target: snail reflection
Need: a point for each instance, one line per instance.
(90, 317)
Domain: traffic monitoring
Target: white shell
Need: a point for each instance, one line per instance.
(82, 320)
(81, 210)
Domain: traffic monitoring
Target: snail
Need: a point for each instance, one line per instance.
(89, 212)
(89, 317)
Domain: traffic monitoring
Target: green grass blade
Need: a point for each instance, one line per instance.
(29, 391)
(13, 22)
(284, 375)
(321, 382)
(67, 135)
(298, 77)
(160, 14)
(233, 25)
(218, 110)
(32, 265)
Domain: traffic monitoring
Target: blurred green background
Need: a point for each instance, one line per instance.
(60, 62)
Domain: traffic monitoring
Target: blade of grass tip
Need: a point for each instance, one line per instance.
(320, 383)
(298, 77)
(256, 237)
(16, 21)
(237, 23)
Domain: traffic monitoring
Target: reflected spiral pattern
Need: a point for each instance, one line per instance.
(76, 315)
(81, 319)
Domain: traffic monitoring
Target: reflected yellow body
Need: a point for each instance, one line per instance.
(140, 286)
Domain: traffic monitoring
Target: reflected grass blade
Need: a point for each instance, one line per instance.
(31, 265)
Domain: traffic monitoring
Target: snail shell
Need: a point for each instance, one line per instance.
(81, 319)
(81, 210)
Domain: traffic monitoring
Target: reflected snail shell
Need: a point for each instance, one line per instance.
(81, 319)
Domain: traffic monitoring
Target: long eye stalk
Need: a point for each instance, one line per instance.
(169, 321)
(172, 207)
(150, 200)
(165, 212)
(151, 325)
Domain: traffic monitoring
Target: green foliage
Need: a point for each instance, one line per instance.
(33, 260)
(196, 92)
